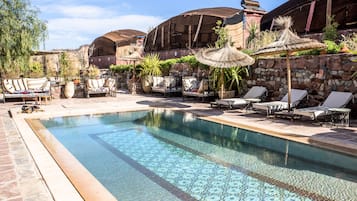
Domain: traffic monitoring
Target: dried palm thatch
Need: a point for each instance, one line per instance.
(225, 57)
(135, 56)
(287, 43)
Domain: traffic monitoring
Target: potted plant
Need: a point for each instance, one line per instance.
(149, 67)
(67, 72)
(91, 72)
(232, 80)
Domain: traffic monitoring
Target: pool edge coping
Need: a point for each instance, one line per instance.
(203, 116)
(56, 180)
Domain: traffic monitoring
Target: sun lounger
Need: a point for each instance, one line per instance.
(166, 85)
(253, 95)
(192, 87)
(335, 101)
(297, 95)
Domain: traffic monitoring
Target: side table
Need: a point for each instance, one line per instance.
(340, 116)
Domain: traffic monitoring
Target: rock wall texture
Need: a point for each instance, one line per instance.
(319, 74)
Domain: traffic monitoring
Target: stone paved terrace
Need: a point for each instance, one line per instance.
(21, 178)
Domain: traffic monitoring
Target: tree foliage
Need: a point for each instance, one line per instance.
(21, 32)
(330, 30)
(222, 34)
(66, 68)
(150, 65)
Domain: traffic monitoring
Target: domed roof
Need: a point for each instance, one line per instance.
(106, 44)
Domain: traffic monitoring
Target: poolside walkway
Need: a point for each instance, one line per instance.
(21, 179)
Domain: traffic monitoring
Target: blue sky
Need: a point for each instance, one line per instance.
(72, 23)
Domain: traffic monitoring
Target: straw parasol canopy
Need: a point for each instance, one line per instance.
(225, 57)
(134, 57)
(287, 43)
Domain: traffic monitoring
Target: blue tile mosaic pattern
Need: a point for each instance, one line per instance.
(197, 176)
(161, 155)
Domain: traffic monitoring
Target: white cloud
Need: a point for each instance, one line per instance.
(73, 32)
(71, 24)
(83, 11)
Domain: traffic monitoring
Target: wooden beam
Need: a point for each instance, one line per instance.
(155, 36)
(162, 36)
(328, 11)
(169, 35)
(189, 36)
(198, 28)
(310, 16)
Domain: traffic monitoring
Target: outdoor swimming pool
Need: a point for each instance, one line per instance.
(165, 155)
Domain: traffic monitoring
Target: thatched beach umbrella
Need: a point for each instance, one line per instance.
(287, 43)
(134, 57)
(225, 57)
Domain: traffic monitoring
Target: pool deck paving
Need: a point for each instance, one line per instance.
(27, 171)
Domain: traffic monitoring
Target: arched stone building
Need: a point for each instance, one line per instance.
(194, 29)
(111, 47)
(310, 16)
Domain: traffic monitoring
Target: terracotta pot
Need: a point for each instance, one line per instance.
(146, 83)
(76, 81)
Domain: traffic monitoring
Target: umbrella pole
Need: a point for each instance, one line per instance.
(133, 89)
(289, 80)
(222, 83)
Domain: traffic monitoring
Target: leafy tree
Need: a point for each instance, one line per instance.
(21, 31)
(253, 32)
(66, 68)
(228, 77)
(330, 30)
(222, 34)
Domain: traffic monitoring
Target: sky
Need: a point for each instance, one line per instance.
(72, 23)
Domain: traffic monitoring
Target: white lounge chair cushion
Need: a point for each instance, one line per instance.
(337, 99)
(169, 81)
(334, 100)
(271, 106)
(232, 101)
(190, 84)
(158, 81)
(312, 112)
(255, 92)
(8, 85)
(36, 83)
(296, 96)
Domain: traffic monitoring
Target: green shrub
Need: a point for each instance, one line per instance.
(247, 51)
(165, 65)
(35, 70)
(330, 30)
(150, 66)
(308, 52)
(332, 47)
(350, 42)
(121, 68)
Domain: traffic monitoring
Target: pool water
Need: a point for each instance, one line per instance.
(165, 155)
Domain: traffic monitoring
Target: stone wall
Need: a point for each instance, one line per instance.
(50, 60)
(319, 74)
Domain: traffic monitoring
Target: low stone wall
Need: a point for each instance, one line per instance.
(319, 74)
